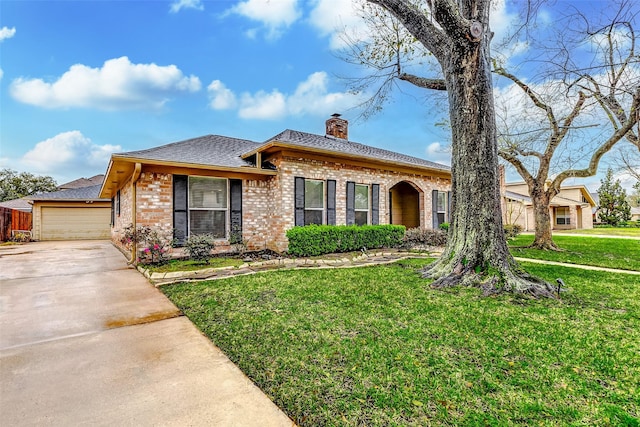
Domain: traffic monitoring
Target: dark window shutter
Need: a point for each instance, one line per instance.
(449, 206)
(235, 187)
(331, 202)
(113, 211)
(434, 208)
(299, 201)
(180, 208)
(118, 203)
(375, 204)
(351, 202)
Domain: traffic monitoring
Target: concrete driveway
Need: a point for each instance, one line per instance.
(85, 340)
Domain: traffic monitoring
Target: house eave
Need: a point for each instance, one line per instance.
(275, 146)
(124, 165)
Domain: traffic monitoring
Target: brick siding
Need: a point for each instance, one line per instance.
(268, 203)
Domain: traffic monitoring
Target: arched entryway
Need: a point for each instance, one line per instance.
(404, 205)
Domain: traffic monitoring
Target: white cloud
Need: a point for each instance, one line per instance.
(263, 105)
(7, 33)
(177, 5)
(332, 17)
(68, 151)
(221, 97)
(310, 97)
(119, 84)
(437, 152)
(276, 16)
(1, 73)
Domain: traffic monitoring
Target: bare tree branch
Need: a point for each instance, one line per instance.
(604, 148)
(423, 82)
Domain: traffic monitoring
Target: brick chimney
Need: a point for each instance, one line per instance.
(337, 127)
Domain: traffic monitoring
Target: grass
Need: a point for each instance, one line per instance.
(604, 231)
(623, 254)
(376, 346)
(189, 265)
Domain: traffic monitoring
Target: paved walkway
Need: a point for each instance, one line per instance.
(601, 236)
(580, 266)
(85, 340)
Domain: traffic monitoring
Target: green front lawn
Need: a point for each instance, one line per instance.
(604, 231)
(376, 346)
(598, 251)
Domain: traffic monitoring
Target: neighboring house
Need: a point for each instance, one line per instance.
(635, 213)
(234, 188)
(571, 208)
(21, 204)
(72, 214)
(594, 210)
(82, 182)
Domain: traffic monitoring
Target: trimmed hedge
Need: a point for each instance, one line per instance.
(314, 240)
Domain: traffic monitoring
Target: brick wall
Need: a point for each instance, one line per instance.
(125, 218)
(155, 201)
(268, 204)
(290, 167)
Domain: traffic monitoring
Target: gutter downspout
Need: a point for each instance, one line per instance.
(134, 179)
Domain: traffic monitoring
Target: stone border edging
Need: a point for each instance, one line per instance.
(378, 258)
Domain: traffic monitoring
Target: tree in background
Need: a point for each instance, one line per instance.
(456, 34)
(587, 102)
(634, 198)
(14, 185)
(581, 99)
(614, 207)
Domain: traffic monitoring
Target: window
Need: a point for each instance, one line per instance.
(313, 202)
(563, 216)
(362, 204)
(208, 203)
(442, 207)
(118, 203)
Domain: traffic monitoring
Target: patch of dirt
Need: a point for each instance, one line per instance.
(130, 321)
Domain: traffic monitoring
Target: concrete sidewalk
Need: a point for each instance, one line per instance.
(85, 340)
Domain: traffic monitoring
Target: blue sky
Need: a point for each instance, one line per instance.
(82, 79)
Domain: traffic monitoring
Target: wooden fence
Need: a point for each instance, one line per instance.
(12, 219)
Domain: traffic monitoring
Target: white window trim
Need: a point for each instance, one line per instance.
(368, 209)
(323, 209)
(566, 217)
(227, 218)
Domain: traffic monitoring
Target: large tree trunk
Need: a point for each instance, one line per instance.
(476, 253)
(543, 238)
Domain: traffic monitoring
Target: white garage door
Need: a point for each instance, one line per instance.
(75, 223)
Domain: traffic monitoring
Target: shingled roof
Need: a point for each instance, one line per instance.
(211, 150)
(82, 182)
(343, 146)
(83, 193)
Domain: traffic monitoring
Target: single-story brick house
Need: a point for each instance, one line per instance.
(228, 186)
(571, 208)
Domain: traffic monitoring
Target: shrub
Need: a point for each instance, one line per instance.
(511, 231)
(198, 247)
(444, 226)
(154, 246)
(21, 237)
(324, 239)
(424, 237)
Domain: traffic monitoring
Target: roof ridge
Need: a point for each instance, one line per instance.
(294, 135)
(197, 138)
